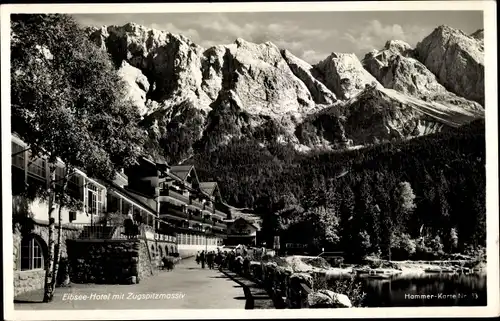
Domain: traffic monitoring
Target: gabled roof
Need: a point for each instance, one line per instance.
(140, 200)
(248, 221)
(209, 188)
(183, 171)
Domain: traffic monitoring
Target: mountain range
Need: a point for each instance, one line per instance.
(194, 99)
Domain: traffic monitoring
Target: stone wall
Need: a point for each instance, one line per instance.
(68, 233)
(25, 281)
(106, 261)
(288, 289)
(164, 248)
(147, 262)
(30, 280)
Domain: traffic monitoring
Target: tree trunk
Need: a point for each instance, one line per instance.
(57, 258)
(49, 267)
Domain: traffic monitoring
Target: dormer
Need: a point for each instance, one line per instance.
(186, 174)
(121, 178)
(211, 190)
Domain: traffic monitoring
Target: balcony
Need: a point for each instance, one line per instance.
(221, 225)
(118, 232)
(175, 195)
(168, 208)
(222, 215)
(194, 214)
(151, 234)
(209, 208)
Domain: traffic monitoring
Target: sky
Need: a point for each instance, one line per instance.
(311, 36)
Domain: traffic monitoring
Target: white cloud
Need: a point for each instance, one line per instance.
(220, 26)
(312, 56)
(170, 27)
(293, 46)
(374, 35)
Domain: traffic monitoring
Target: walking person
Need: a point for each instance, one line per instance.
(198, 258)
(218, 260)
(202, 259)
(210, 260)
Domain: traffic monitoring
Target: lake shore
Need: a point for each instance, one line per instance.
(400, 268)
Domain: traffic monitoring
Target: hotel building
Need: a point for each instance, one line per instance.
(176, 212)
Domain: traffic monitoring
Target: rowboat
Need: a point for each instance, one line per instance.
(378, 273)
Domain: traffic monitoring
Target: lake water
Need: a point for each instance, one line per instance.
(425, 290)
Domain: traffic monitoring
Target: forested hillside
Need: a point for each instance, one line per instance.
(283, 137)
(425, 196)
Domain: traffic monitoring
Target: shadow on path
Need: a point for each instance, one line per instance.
(195, 288)
(256, 297)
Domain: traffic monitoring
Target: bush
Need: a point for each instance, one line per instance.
(169, 262)
(175, 254)
(318, 262)
(429, 248)
(403, 247)
(276, 259)
(112, 219)
(352, 287)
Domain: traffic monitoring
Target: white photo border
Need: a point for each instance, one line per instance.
(491, 103)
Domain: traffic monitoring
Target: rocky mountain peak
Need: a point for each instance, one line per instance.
(305, 72)
(246, 90)
(398, 46)
(479, 34)
(456, 59)
(344, 75)
(395, 68)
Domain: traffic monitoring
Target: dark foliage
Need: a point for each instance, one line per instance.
(444, 172)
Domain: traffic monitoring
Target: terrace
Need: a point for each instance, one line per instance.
(117, 231)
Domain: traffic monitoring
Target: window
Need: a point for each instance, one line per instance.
(72, 216)
(75, 183)
(113, 203)
(100, 200)
(94, 199)
(31, 254)
(18, 159)
(60, 171)
(126, 207)
(37, 168)
(18, 181)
